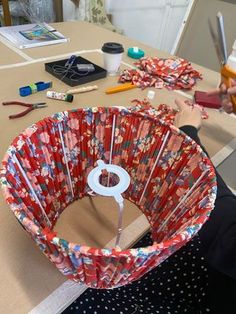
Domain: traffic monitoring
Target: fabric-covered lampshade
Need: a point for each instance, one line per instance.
(172, 182)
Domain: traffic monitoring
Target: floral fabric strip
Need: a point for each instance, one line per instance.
(159, 72)
(163, 111)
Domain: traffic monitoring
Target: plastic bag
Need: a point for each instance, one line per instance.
(38, 11)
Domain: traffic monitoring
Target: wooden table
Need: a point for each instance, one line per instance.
(29, 282)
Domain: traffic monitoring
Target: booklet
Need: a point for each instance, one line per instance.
(32, 35)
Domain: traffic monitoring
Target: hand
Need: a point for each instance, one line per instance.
(225, 95)
(187, 115)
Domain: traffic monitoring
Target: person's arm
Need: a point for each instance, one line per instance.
(218, 235)
(189, 121)
(225, 94)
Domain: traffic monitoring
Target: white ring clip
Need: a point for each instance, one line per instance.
(115, 191)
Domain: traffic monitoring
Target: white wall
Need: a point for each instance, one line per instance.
(153, 22)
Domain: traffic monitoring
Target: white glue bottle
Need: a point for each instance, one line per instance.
(59, 96)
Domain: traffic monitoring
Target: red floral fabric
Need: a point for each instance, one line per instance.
(172, 73)
(172, 182)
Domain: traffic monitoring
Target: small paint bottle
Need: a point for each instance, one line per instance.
(60, 96)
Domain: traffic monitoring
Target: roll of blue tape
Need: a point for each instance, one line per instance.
(33, 88)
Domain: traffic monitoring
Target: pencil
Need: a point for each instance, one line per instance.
(119, 88)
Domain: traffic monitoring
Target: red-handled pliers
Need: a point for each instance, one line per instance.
(23, 113)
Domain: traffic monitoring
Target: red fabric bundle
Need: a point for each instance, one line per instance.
(159, 72)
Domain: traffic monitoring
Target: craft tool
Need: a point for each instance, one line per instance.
(70, 62)
(82, 89)
(119, 88)
(73, 70)
(89, 67)
(23, 113)
(228, 74)
(60, 96)
(68, 65)
(205, 100)
(34, 88)
(82, 71)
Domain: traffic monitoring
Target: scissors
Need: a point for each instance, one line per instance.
(30, 107)
(227, 73)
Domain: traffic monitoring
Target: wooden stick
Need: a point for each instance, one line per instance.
(82, 89)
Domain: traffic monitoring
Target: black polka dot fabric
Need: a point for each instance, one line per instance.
(178, 285)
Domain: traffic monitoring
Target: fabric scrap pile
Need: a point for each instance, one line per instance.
(159, 72)
(162, 112)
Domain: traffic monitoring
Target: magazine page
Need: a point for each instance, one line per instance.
(32, 35)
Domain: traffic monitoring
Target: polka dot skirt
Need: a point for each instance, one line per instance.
(178, 285)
